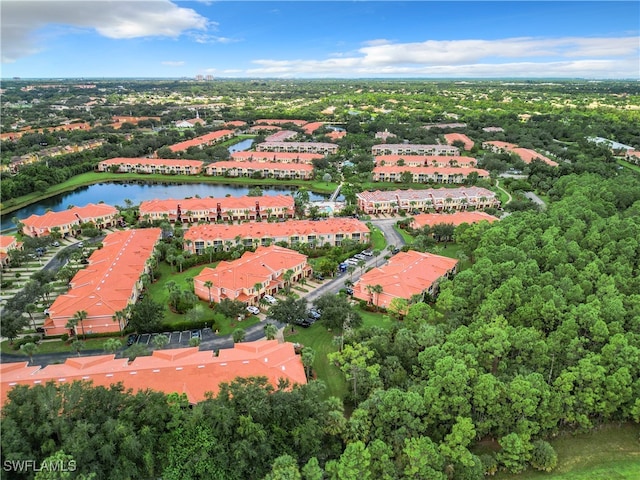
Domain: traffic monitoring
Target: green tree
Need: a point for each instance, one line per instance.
(285, 467)
(238, 335)
(29, 349)
(208, 284)
(79, 317)
(160, 341)
(353, 464)
(146, 316)
(308, 357)
(543, 456)
(270, 331)
(289, 311)
(77, 346)
(112, 345)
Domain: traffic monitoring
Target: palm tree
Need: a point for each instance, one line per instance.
(376, 253)
(270, 331)
(377, 289)
(30, 308)
(350, 270)
(72, 324)
(362, 264)
(112, 345)
(208, 284)
(119, 316)
(80, 316)
(160, 341)
(29, 349)
(308, 356)
(286, 276)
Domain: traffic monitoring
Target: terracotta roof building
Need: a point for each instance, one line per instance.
(426, 174)
(68, 221)
(460, 137)
(164, 166)
(526, 154)
(426, 160)
(406, 274)
(411, 149)
(109, 283)
(281, 136)
(223, 237)
(182, 370)
(252, 276)
(384, 135)
(456, 218)
(279, 121)
(276, 157)
(302, 147)
(632, 156)
(7, 243)
(204, 140)
(311, 127)
(299, 171)
(437, 199)
(193, 210)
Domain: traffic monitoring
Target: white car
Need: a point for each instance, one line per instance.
(351, 261)
(253, 310)
(270, 299)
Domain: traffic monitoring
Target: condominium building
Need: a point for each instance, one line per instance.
(276, 157)
(186, 371)
(193, 210)
(252, 276)
(457, 218)
(163, 166)
(204, 140)
(436, 199)
(409, 149)
(426, 160)
(526, 154)
(109, 283)
(284, 171)
(426, 174)
(459, 137)
(7, 243)
(223, 237)
(407, 274)
(67, 222)
(302, 147)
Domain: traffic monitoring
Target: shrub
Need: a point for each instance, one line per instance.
(64, 337)
(543, 456)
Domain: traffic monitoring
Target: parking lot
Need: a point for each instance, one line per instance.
(176, 339)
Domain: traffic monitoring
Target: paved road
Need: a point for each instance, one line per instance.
(211, 341)
(536, 199)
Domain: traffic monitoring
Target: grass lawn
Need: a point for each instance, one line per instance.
(408, 239)
(609, 453)
(630, 166)
(375, 319)
(318, 338)
(58, 346)
(378, 241)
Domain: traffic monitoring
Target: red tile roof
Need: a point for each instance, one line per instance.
(204, 139)
(184, 370)
(230, 165)
(42, 224)
(107, 284)
(427, 160)
(406, 274)
(275, 230)
(311, 127)
(282, 157)
(430, 170)
(456, 218)
(452, 137)
(154, 161)
(281, 136)
(280, 121)
(170, 206)
(264, 265)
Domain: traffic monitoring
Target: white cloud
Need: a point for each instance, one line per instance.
(513, 57)
(125, 19)
(171, 63)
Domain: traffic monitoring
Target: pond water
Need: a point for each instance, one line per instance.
(114, 193)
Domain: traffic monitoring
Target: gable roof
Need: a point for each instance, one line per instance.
(69, 216)
(406, 274)
(183, 370)
(456, 218)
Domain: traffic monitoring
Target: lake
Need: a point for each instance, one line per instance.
(114, 193)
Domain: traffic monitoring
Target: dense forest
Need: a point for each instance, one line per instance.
(540, 335)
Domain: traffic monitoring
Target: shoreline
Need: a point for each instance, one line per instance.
(92, 178)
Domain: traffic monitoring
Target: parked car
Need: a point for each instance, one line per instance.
(253, 310)
(351, 261)
(349, 290)
(131, 339)
(360, 256)
(318, 276)
(313, 313)
(270, 299)
(80, 244)
(368, 253)
(196, 334)
(55, 244)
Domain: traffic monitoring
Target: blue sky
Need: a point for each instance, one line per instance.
(320, 39)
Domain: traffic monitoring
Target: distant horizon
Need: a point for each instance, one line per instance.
(321, 39)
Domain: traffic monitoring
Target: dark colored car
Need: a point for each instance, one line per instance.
(131, 339)
(349, 290)
(313, 313)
